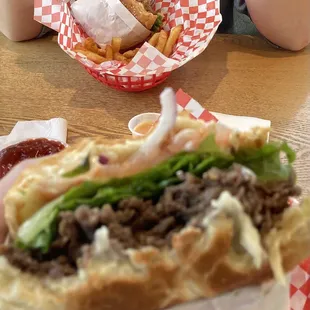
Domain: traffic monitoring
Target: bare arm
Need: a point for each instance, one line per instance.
(16, 20)
(283, 22)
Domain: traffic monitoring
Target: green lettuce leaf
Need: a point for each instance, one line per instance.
(82, 168)
(158, 23)
(266, 161)
(39, 231)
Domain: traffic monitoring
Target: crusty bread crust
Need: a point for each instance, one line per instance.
(137, 9)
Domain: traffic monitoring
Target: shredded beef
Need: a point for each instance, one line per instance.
(134, 223)
(25, 261)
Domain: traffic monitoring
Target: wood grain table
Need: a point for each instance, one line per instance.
(237, 75)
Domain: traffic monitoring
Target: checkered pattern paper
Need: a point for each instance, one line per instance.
(300, 277)
(300, 287)
(200, 19)
(47, 12)
(190, 105)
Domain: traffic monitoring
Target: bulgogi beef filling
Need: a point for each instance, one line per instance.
(134, 223)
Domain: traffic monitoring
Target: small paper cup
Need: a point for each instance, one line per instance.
(141, 118)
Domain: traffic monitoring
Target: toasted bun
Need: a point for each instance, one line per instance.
(137, 9)
(201, 263)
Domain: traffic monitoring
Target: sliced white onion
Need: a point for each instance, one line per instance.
(166, 123)
(149, 150)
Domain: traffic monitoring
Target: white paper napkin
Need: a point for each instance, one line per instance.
(241, 123)
(55, 129)
(269, 296)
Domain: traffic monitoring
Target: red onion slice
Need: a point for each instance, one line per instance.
(103, 160)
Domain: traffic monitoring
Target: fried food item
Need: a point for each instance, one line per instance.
(79, 47)
(102, 52)
(172, 40)
(120, 57)
(143, 12)
(97, 59)
(131, 53)
(116, 44)
(91, 45)
(162, 40)
(154, 39)
(109, 53)
(88, 48)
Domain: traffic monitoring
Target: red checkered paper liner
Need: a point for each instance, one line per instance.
(200, 20)
(186, 103)
(47, 12)
(300, 277)
(300, 287)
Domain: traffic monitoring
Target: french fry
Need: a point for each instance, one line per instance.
(91, 45)
(116, 44)
(154, 39)
(120, 57)
(173, 38)
(131, 53)
(163, 36)
(79, 47)
(109, 53)
(102, 52)
(92, 56)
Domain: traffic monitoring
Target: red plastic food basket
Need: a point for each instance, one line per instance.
(200, 20)
(128, 83)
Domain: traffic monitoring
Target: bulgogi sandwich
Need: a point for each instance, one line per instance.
(192, 211)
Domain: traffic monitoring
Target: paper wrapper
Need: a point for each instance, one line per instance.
(200, 19)
(296, 296)
(105, 19)
(269, 296)
(54, 129)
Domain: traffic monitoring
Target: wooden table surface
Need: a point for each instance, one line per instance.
(236, 75)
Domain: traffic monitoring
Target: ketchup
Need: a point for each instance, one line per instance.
(32, 148)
